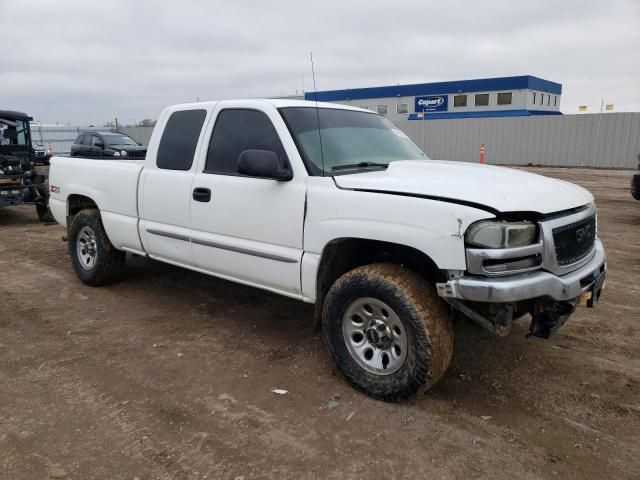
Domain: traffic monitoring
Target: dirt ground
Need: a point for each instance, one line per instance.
(168, 374)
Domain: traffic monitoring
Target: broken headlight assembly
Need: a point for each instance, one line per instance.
(502, 248)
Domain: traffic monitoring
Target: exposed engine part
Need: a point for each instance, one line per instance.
(497, 319)
(549, 316)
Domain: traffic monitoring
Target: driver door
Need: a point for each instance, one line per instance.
(245, 228)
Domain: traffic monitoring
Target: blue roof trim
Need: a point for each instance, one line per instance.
(484, 114)
(438, 88)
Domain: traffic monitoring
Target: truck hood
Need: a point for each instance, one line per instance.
(497, 189)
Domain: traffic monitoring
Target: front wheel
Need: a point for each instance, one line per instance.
(95, 260)
(387, 330)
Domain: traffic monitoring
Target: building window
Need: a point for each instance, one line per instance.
(555, 100)
(381, 109)
(534, 98)
(549, 100)
(505, 98)
(482, 99)
(542, 99)
(402, 108)
(460, 101)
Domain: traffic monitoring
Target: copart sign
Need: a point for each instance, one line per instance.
(432, 103)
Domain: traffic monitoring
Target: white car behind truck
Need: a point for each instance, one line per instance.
(335, 206)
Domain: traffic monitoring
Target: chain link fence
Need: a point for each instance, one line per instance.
(59, 138)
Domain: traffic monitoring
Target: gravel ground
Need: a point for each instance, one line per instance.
(168, 374)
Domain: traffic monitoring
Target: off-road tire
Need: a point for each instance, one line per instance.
(109, 265)
(42, 207)
(423, 314)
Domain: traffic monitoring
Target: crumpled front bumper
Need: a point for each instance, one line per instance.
(530, 285)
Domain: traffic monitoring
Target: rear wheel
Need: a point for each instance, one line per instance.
(387, 330)
(95, 260)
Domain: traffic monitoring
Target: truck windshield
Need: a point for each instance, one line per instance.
(13, 132)
(352, 141)
(118, 140)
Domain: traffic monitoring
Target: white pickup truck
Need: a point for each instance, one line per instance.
(335, 206)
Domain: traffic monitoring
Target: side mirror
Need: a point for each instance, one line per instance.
(264, 164)
(100, 145)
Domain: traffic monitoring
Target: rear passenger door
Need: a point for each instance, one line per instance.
(82, 146)
(165, 188)
(249, 229)
(95, 147)
(77, 148)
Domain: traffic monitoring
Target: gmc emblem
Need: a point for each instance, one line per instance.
(584, 234)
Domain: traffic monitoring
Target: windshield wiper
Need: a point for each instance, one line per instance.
(359, 165)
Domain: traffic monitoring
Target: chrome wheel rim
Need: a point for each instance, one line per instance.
(375, 336)
(86, 248)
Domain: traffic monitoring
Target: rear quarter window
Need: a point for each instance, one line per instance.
(179, 139)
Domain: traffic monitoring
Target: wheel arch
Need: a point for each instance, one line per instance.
(341, 255)
(77, 202)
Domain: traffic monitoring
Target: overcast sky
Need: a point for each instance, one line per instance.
(90, 61)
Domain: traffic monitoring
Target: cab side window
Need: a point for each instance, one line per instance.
(180, 139)
(95, 141)
(237, 130)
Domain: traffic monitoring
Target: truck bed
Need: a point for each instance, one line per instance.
(111, 184)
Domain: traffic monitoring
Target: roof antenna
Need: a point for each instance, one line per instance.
(315, 96)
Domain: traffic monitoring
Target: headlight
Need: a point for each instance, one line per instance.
(116, 154)
(495, 234)
(123, 153)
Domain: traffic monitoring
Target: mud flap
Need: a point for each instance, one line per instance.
(546, 319)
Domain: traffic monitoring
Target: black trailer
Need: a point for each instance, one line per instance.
(19, 181)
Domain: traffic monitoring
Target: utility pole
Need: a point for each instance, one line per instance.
(116, 124)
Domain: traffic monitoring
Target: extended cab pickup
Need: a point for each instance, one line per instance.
(335, 206)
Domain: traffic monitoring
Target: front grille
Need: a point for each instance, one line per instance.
(573, 242)
(137, 154)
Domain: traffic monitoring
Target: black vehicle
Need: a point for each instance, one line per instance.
(41, 155)
(635, 182)
(19, 181)
(109, 145)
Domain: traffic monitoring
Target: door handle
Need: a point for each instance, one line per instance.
(201, 194)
